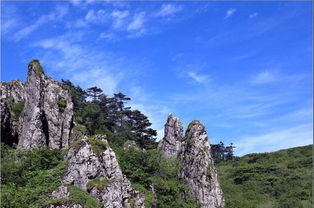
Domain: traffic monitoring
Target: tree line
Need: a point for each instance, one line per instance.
(101, 114)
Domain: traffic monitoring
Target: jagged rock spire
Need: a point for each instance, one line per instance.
(170, 144)
(46, 111)
(198, 170)
(193, 151)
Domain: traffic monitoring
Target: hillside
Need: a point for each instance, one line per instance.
(278, 179)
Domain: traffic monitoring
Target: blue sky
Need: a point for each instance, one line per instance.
(244, 69)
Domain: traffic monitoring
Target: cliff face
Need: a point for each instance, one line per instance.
(193, 150)
(36, 114)
(93, 167)
(171, 144)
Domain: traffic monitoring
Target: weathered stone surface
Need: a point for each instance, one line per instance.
(171, 143)
(193, 151)
(198, 170)
(10, 93)
(86, 164)
(47, 115)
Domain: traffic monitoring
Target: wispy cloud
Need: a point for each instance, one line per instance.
(98, 77)
(255, 14)
(156, 112)
(85, 66)
(230, 12)
(198, 77)
(136, 26)
(264, 77)
(58, 13)
(281, 139)
(168, 9)
(119, 18)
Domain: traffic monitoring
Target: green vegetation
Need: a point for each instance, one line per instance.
(81, 197)
(62, 104)
(79, 129)
(56, 90)
(98, 145)
(28, 176)
(17, 108)
(36, 62)
(101, 114)
(274, 180)
(146, 168)
(100, 184)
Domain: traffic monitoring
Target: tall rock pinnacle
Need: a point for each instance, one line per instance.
(171, 143)
(198, 170)
(41, 108)
(193, 151)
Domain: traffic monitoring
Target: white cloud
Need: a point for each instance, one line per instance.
(198, 77)
(137, 22)
(84, 65)
(156, 112)
(98, 77)
(167, 10)
(281, 139)
(58, 13)
(107, 36)
(264, 77)
(230, 12)
(119, 18)
(255, 14)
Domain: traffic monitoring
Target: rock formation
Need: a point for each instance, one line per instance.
(171, 143)
(44, 109)
(193, 151)
(12, 102)
(92, 166)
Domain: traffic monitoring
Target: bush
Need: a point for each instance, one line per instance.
(282, 179)
(147, 168)
(28, 176)
(17, 108)
(98, 145)
(100, 184)
(81, 197)
(62, 104)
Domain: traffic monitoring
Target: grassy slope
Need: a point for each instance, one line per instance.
(280, 179)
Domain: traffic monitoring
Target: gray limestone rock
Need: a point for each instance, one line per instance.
(193, 151)
(171, 143)
(87, 164)
(12, 104)
(198, 170)
(47, 111)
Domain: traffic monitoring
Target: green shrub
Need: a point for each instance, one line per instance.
(81, 197)
(17, 108)
(100, 184)
(28, 176)
(98, 145)
(146, 168)
(36, 63)
(282, 179)
(79, 129)
(62, 104)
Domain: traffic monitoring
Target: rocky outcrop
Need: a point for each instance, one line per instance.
(93, 167)
(171, 143)
(12, 104)
(45, 111)
(198, 171)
